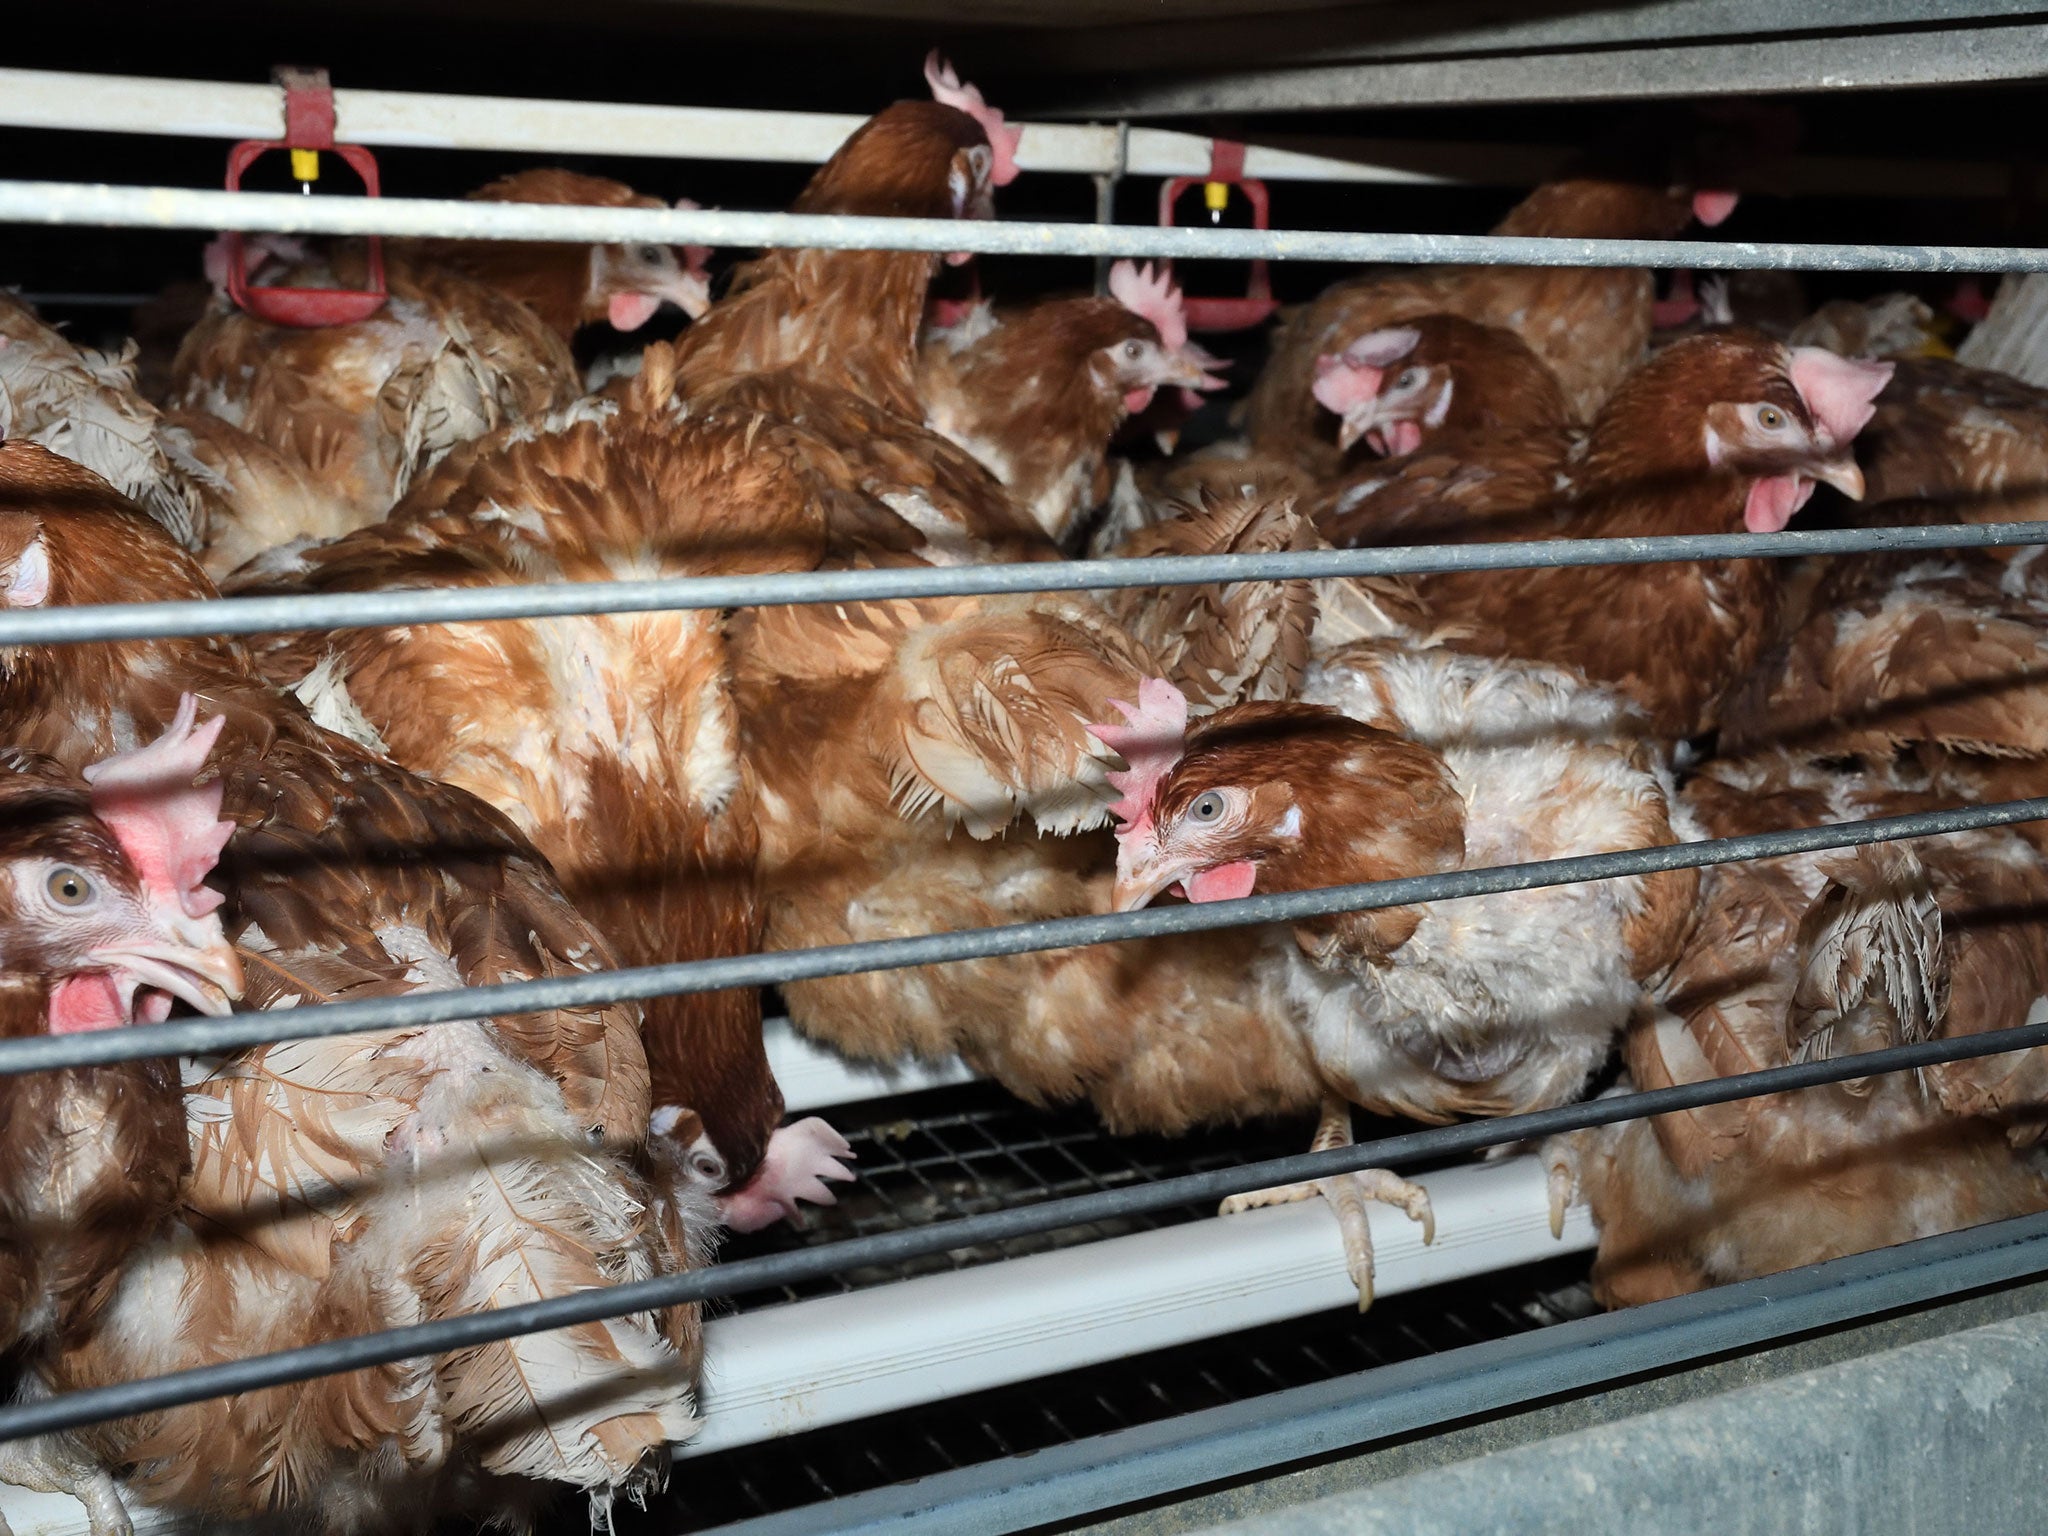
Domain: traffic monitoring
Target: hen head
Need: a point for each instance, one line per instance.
(101, 891)
(913, 160)
(948, 89)
(1737, 404)
(629, 283)
(1396, 388)
(1157, 350)
(1270, 797)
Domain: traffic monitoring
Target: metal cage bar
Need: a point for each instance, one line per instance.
(200, 1037)
(83, 623)
(104, 205)
(95, 103)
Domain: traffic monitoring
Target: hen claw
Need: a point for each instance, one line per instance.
(1561, 1160)
(36, 1464)
(1348, 1194)
(799, 1161)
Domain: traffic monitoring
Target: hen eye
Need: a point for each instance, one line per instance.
(68, 888)
(1207, 808)
(1769, 417)
(651, 254)
(1410, 377)
(1132, 350)
(707, 1166)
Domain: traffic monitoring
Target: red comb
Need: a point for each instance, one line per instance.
(169, 827)
(1150, 294)
(948, 90)
(1150, 740)
(1838, 390)
(694, 256)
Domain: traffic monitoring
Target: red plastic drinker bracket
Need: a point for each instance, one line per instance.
(1226, 170)
(308, 127)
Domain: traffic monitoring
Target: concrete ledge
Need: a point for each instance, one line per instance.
(1942, 1434)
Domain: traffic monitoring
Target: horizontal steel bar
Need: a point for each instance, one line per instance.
(1461, 30)
(1961, 55)
(34, 98)
(202, 1037)
(87, 300)
(74, 625)
(121, 1399)
(100, 204)
(1064, 1483)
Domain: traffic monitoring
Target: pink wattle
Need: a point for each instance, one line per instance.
(1135, 400)
(630, 311)
(1711, 208)
(1403, 437)
(1670, 313)
(1774, 502)
(1226, 882)
(80, 1003)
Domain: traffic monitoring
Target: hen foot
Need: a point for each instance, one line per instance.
(800, 1159)
(1347, 1194)
(34, 1464)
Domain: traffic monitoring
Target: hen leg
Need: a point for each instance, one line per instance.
(39, 1465)
(1348, 1194)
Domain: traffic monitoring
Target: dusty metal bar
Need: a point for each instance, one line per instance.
(1868, 60)
(199, 1037)
(72, 625)
(332, 1357)
(48, 99)
(100, 204)
(33, 98)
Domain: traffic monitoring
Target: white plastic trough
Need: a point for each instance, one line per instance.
(813, 1077)
(782, 1370)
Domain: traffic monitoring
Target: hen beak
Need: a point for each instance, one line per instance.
(1844, 474)
(1134, 888)
(688, 291)
(207, 976)
(1352, 428)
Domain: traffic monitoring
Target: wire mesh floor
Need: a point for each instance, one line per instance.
(953, 1152)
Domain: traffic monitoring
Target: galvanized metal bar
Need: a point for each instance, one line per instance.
(332, 1357)
(1158, 48)
(54, 99)
(1067, 1483)
(72, 625)
(1835, 61)
(99, 204)
(34, 98)
(200, 1037)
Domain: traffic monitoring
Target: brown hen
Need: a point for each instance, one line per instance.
(346, 1185)
(1590, 324)
(474, 337)
(1811, 957)
(1038, 393)
(1718, 433)
(610, 740)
